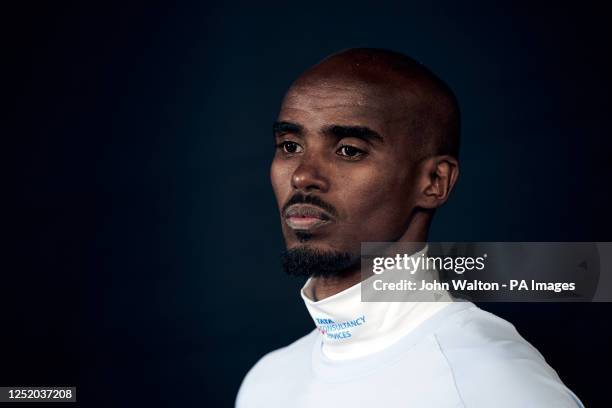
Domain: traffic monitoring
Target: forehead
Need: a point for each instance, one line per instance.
(325, 102)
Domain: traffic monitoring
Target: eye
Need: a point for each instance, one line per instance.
(350, 152)
(290, 147)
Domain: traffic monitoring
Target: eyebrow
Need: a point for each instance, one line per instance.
(337, 131)
(280, 128)
(360, 132)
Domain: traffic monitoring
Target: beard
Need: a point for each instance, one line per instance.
(309, 262)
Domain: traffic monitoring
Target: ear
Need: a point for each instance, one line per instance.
(437, 177)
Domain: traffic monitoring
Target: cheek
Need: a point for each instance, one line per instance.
(280, 177)
(379, 197)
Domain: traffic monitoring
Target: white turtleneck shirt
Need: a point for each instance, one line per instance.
(435, 354)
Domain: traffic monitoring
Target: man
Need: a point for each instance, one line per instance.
(367, 150)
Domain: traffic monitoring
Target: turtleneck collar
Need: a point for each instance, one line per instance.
(351, 328)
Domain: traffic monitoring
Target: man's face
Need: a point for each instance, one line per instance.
(342, 172)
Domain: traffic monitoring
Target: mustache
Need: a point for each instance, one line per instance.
(300, 198)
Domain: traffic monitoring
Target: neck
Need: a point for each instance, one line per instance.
(324, 287)
(351, 328)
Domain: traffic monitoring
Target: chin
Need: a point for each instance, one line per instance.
(314, 245)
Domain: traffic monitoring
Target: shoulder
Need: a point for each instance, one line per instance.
(268, 373)
(493, 365)
(299, 350)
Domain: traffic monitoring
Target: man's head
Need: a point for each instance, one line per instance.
(367, 147)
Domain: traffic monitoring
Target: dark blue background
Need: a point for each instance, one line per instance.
(142, 252)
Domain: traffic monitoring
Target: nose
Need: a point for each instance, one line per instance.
(308, 177)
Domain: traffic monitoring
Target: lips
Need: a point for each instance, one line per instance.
(306, 217)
